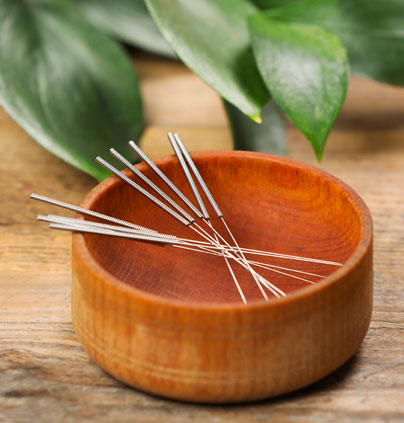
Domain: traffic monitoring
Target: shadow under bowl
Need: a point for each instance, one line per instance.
(171, 321)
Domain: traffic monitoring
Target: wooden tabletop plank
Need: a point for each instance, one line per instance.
(46, 375)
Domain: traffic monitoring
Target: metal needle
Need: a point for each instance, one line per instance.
(88, 212)
(164, 178)
(181, 150)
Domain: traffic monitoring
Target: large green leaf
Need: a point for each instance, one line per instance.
(267, 137)
(128, 20)
(69, 86)
(212, 38)
(306, 70)
(372, 32)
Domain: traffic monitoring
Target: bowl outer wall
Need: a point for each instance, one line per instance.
(223, 352)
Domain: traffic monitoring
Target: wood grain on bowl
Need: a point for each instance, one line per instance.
(171, 322)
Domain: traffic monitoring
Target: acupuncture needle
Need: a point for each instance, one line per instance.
(170, 184)
(290, 257)
(89, 212)
(153, 186)
(162, 194)
(167, 181)
(109, 218)
(156, 189)
(161, 239)
(50, 218)
(78, 222)
(183, 220)
(268, 267)
(86, 223)
(175, 189)
(189, 222)
(216, 207)
(205, 215)
(182, 152)
(164, 178)
(275, 290)
(96, 214)
(137, 187)
(95, 230)
(124, 223)
(176, 140)
(257, 278)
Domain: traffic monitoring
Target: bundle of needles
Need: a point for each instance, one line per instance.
(211, 240)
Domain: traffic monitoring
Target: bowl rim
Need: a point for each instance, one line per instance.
(365, 241)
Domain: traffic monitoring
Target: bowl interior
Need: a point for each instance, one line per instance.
(269, 204)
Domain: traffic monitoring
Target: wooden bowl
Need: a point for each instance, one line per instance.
(171, 322)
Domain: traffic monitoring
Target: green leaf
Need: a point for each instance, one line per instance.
(69, 86)
(306, 70)
(270, 4)
(372, 32)
(267, 137)
(212, 39)
(129, 21)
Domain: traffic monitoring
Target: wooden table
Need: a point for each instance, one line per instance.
(46, 376)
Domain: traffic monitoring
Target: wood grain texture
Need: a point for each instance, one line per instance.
(45, 373)
(270, 203)
(194, 339)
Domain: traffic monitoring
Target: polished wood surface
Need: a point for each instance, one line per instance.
(194, 339)
(46, 375)
(270, 204)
